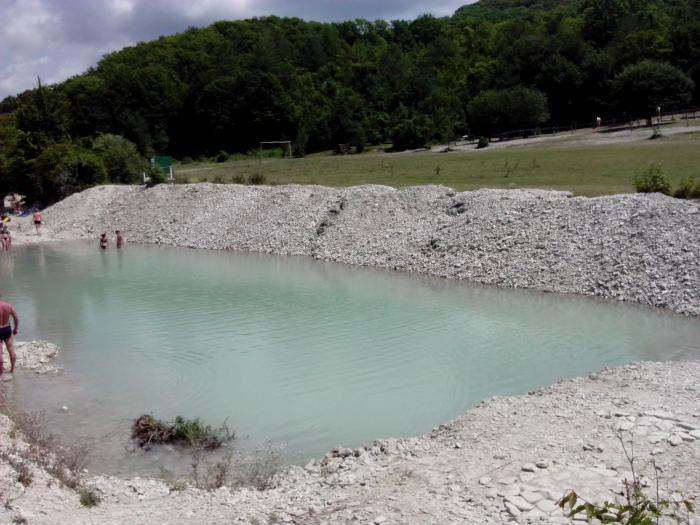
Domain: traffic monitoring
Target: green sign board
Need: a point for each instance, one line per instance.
(164, 163)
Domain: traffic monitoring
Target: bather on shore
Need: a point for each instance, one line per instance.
(7, 332)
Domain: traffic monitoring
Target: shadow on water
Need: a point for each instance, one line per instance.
(303, 354)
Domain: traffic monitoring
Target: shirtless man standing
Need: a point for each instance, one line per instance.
(6, 333)
(38, 219)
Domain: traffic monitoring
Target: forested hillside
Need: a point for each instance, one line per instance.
(492, 66)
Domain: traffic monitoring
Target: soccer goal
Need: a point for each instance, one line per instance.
(284, 145)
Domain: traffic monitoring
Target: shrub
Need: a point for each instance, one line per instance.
(256, 179)
(238, 179)
(653, 180)
(63, 463)
(89, 498)
(154, 176)
(148, 431)
(186, 160)
(62, 169)
(689, 188)
(483, 143)
(222, 156)
(259, 470)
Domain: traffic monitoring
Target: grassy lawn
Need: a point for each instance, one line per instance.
(584, 170)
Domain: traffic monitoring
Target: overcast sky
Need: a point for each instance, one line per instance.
(55, 39)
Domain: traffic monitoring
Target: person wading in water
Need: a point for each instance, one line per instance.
(7, 333)
(103, 241)
(120, 239)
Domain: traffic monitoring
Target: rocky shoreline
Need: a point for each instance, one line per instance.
(634, 247)
(495, 464)
(508, 459)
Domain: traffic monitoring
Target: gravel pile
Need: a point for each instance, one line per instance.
(642, 248)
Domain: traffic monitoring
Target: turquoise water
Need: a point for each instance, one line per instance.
(302, 354)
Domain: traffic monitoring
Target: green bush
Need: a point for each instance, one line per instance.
(120, 157)
(689, 188)
(148, 431)
(88, 498)
(653, 180)
(483, 143)
(62, 169)
(154, 176)
(222, 156)
(256, 179)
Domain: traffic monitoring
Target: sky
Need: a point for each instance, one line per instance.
(56, 39)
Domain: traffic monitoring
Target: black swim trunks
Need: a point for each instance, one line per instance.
(5, 333)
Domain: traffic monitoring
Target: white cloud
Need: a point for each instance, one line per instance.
(26, 25)
(56, 39)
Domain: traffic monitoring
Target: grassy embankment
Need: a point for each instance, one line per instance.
(582, 169)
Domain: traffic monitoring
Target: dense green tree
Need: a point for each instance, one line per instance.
(120, 157)
(410, 130)
(43, 115)
(62, 169)
(494, 66)
(642, 87)
(496, 111)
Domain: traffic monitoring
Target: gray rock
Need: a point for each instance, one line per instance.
(519, 503)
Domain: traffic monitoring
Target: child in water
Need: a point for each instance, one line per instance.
(103, 241)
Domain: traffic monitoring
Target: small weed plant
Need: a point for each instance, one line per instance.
(256, 179)
(482, 143)
(689, 188)
(89, 498)
(653, 180)
(638, 508)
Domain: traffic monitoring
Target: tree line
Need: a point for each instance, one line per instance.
(491, 67)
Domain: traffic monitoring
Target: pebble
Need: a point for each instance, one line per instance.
(519, 503)
(675, 440)
(529, 467)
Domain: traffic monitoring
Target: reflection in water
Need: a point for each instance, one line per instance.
(302, 353)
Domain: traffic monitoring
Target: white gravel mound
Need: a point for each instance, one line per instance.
(634, 247)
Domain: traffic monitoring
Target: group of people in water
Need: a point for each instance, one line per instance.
(104, 241)
(7, 312)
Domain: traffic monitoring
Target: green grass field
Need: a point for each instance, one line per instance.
(582, 169)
